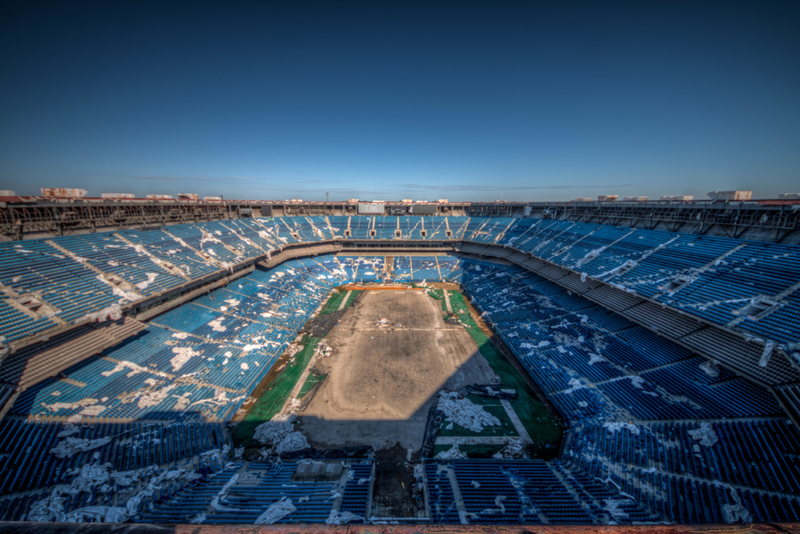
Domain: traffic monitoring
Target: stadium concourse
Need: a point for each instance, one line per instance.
(672, 358)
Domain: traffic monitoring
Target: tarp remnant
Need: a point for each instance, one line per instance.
(341, 518)
(767, 354)
(276, 511)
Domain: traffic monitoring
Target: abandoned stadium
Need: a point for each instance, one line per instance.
(464, 367)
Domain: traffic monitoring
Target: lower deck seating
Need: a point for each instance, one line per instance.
(656, 433)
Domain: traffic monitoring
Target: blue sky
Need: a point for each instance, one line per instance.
(423, 100)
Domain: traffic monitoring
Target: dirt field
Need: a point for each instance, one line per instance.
(382, 380)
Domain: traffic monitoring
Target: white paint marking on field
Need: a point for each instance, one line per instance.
(515, 419)
(299, 384)
(344, 301)
(447, 301)
(474, 440)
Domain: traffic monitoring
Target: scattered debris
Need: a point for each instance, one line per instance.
(705, 434)
(276, 511)
(464, 412)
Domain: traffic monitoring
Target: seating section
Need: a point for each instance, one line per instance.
(639, 408)
(655, 431)
(712, 278)
(29, 464)
(255, 486)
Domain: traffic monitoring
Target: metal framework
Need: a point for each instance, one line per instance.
(20, 220)
(773, 221)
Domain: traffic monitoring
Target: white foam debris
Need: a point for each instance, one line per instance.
(453, 453)
(68, 430)
(276, 511)
(219, 399)
(341, 518)
(183, 401)
(637, 381)
(279, 432)
(615, 427)
(514, 449)
(475, 484)
(583, 404)
(574, 385)
(180, 335)
(112, 312)
(150, 278)
(613, 508)
(198, 519)
(57, 406)
(124, 364)
(118, 291)
(245, 367)
(735, 512)
(232, 302)
(216, 324)
(766, 354)
(464, 412)
(595, 358)
(501, 509)
(705, 434)
(182, 355)
(710, 368)
(294, 441)
(93, 411)
(592, 254)
(621, 269)
(69, 446)
(224, 493)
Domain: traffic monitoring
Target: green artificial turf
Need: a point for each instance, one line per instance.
(543, 428)
(274, 397)
(335, 300)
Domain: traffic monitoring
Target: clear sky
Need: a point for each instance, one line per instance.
(380, 100)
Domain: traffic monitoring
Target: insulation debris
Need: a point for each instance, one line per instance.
(734, 513)
(224, 493)
(341, 518)
(276, 511)
(453, 453)
(501, 509)
(615, 427)
(69, 446)
(464, 412)
(705, 434)
(112, 313)
(124, 364)
(514, 449)
(182, 355)
(613, 508)
(766, 354)
(150, 279)
(279, 432)
(216, 324)
(710, 368)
